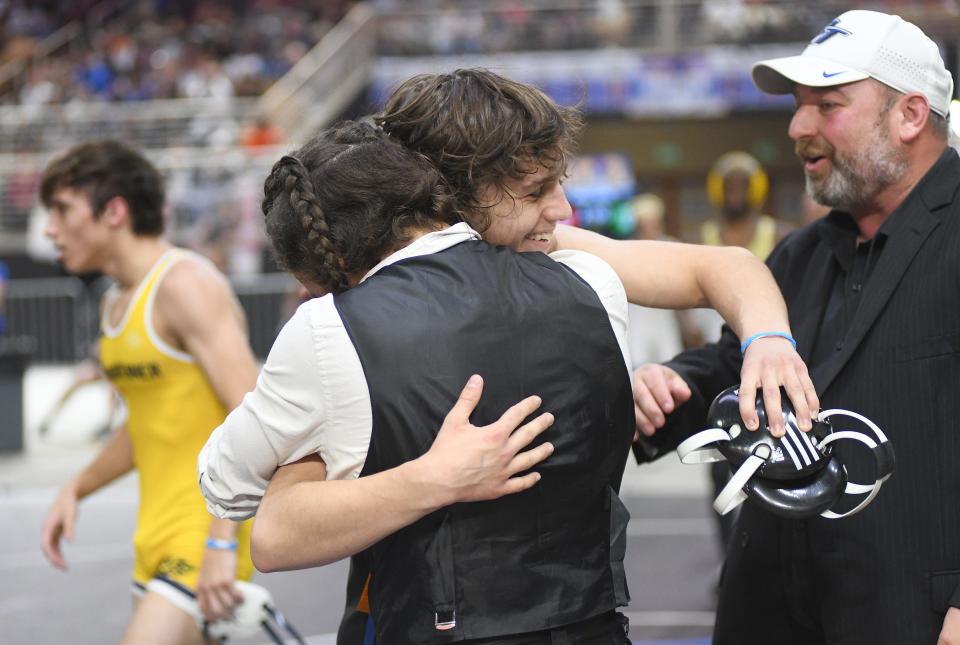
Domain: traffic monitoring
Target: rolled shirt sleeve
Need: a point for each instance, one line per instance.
(310, 398)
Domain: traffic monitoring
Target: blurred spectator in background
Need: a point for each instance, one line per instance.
(613, 22)
(737, 189)
(260, 133)
(205, 79)
(656, 335)
(648, 212)
(4, 277)
(18, 188)
(213, 236)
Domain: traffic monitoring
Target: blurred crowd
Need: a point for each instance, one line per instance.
(449, 27)
(161, 49)
(24, 22)
(135, 50)
(445, 27)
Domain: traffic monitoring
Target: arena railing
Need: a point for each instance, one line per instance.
(58, 315)
(326, 80)
(148, 124)
(58, 318)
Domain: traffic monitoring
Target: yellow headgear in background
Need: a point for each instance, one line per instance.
(745, 163)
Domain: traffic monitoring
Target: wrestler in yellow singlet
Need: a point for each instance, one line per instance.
(172, 409)
(761, 244)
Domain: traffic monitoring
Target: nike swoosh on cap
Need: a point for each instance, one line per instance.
(832, 74)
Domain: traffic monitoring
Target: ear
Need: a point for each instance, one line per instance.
(911, 116)
(117, 212)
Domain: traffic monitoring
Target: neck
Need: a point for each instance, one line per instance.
(412, 233)
(870, 217)
(416, 233)
(134, 260)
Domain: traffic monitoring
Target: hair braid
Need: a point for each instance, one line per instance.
(291, 176)
(347, 199)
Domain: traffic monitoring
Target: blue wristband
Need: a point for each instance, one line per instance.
(767, 334)
(221, 545)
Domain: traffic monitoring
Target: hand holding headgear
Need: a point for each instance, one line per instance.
(797, 475)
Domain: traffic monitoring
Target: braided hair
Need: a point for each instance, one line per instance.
(348, 198)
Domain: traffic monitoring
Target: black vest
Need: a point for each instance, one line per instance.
(547, 557)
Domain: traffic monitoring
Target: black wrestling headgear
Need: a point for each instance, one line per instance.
(797, 475)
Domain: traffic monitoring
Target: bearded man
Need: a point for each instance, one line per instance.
(872, 291)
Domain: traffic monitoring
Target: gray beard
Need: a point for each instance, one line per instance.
(856, 180)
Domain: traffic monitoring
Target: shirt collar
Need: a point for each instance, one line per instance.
(427, 244)
(839, 230)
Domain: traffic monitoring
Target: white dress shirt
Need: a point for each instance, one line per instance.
(312, 397)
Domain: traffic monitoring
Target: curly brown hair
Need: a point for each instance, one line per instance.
(349, 197)
(480, 129)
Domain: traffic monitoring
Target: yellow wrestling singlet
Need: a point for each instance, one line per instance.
(762, 243)
(172, 409)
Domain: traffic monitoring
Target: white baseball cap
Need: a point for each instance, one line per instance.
(864, 44)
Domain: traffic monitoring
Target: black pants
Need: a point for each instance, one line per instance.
(767, 591)
(606, 629)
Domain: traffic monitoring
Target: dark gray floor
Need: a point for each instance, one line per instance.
(672, 566)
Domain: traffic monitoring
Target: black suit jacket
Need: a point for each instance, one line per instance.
(888, 574)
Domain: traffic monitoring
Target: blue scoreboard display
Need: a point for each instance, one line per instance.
(599, 188)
